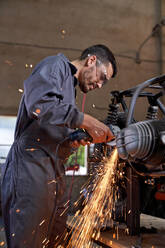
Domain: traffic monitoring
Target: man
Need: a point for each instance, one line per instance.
(33, 187)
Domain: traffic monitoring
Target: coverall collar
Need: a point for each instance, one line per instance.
(72, 67)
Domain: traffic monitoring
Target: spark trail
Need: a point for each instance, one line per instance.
(97, 207)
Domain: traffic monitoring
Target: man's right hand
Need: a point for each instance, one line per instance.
(96, 129)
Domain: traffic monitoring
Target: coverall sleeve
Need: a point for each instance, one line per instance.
(44, 98)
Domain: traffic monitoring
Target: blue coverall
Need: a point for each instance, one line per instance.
(33, 185)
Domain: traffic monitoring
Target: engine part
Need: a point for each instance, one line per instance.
(152, 112)
(112, 114)
(143, 141)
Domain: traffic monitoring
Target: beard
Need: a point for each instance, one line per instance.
(85, 82)
(83, 88)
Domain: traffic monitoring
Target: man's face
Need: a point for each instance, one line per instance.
(94, 74)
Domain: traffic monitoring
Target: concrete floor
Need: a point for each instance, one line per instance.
(152, 235)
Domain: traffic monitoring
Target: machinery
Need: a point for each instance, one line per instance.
(141, 148)
(144, 142)
(138, 142)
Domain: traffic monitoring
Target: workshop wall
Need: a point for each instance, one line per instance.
(31, 30)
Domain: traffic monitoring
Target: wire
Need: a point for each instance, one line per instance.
(75, 50)
(142, 60)
(83, 103)
(38, 46)
(139, 88)
(72, 182)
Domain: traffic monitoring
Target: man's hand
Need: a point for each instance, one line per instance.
(96, 129)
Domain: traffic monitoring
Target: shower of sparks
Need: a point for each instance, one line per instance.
(44, 240)
(27, 65)
(98, 206)
(42, 222)
(64, 211)
(20, 90)
(31, 149)
(52, 181)
(63, 31)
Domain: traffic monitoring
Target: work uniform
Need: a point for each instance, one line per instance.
(33, 186)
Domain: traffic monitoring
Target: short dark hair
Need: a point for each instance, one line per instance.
(103, 53)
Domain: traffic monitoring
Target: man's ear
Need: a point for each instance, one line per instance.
(91, 60)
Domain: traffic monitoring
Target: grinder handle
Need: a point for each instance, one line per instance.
(80, 134)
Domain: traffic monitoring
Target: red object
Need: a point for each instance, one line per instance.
(83, 103)
(75, 167)
(160, 196)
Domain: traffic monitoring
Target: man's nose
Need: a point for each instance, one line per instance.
(99, 85)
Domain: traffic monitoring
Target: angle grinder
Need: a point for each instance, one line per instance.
(83, 134)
